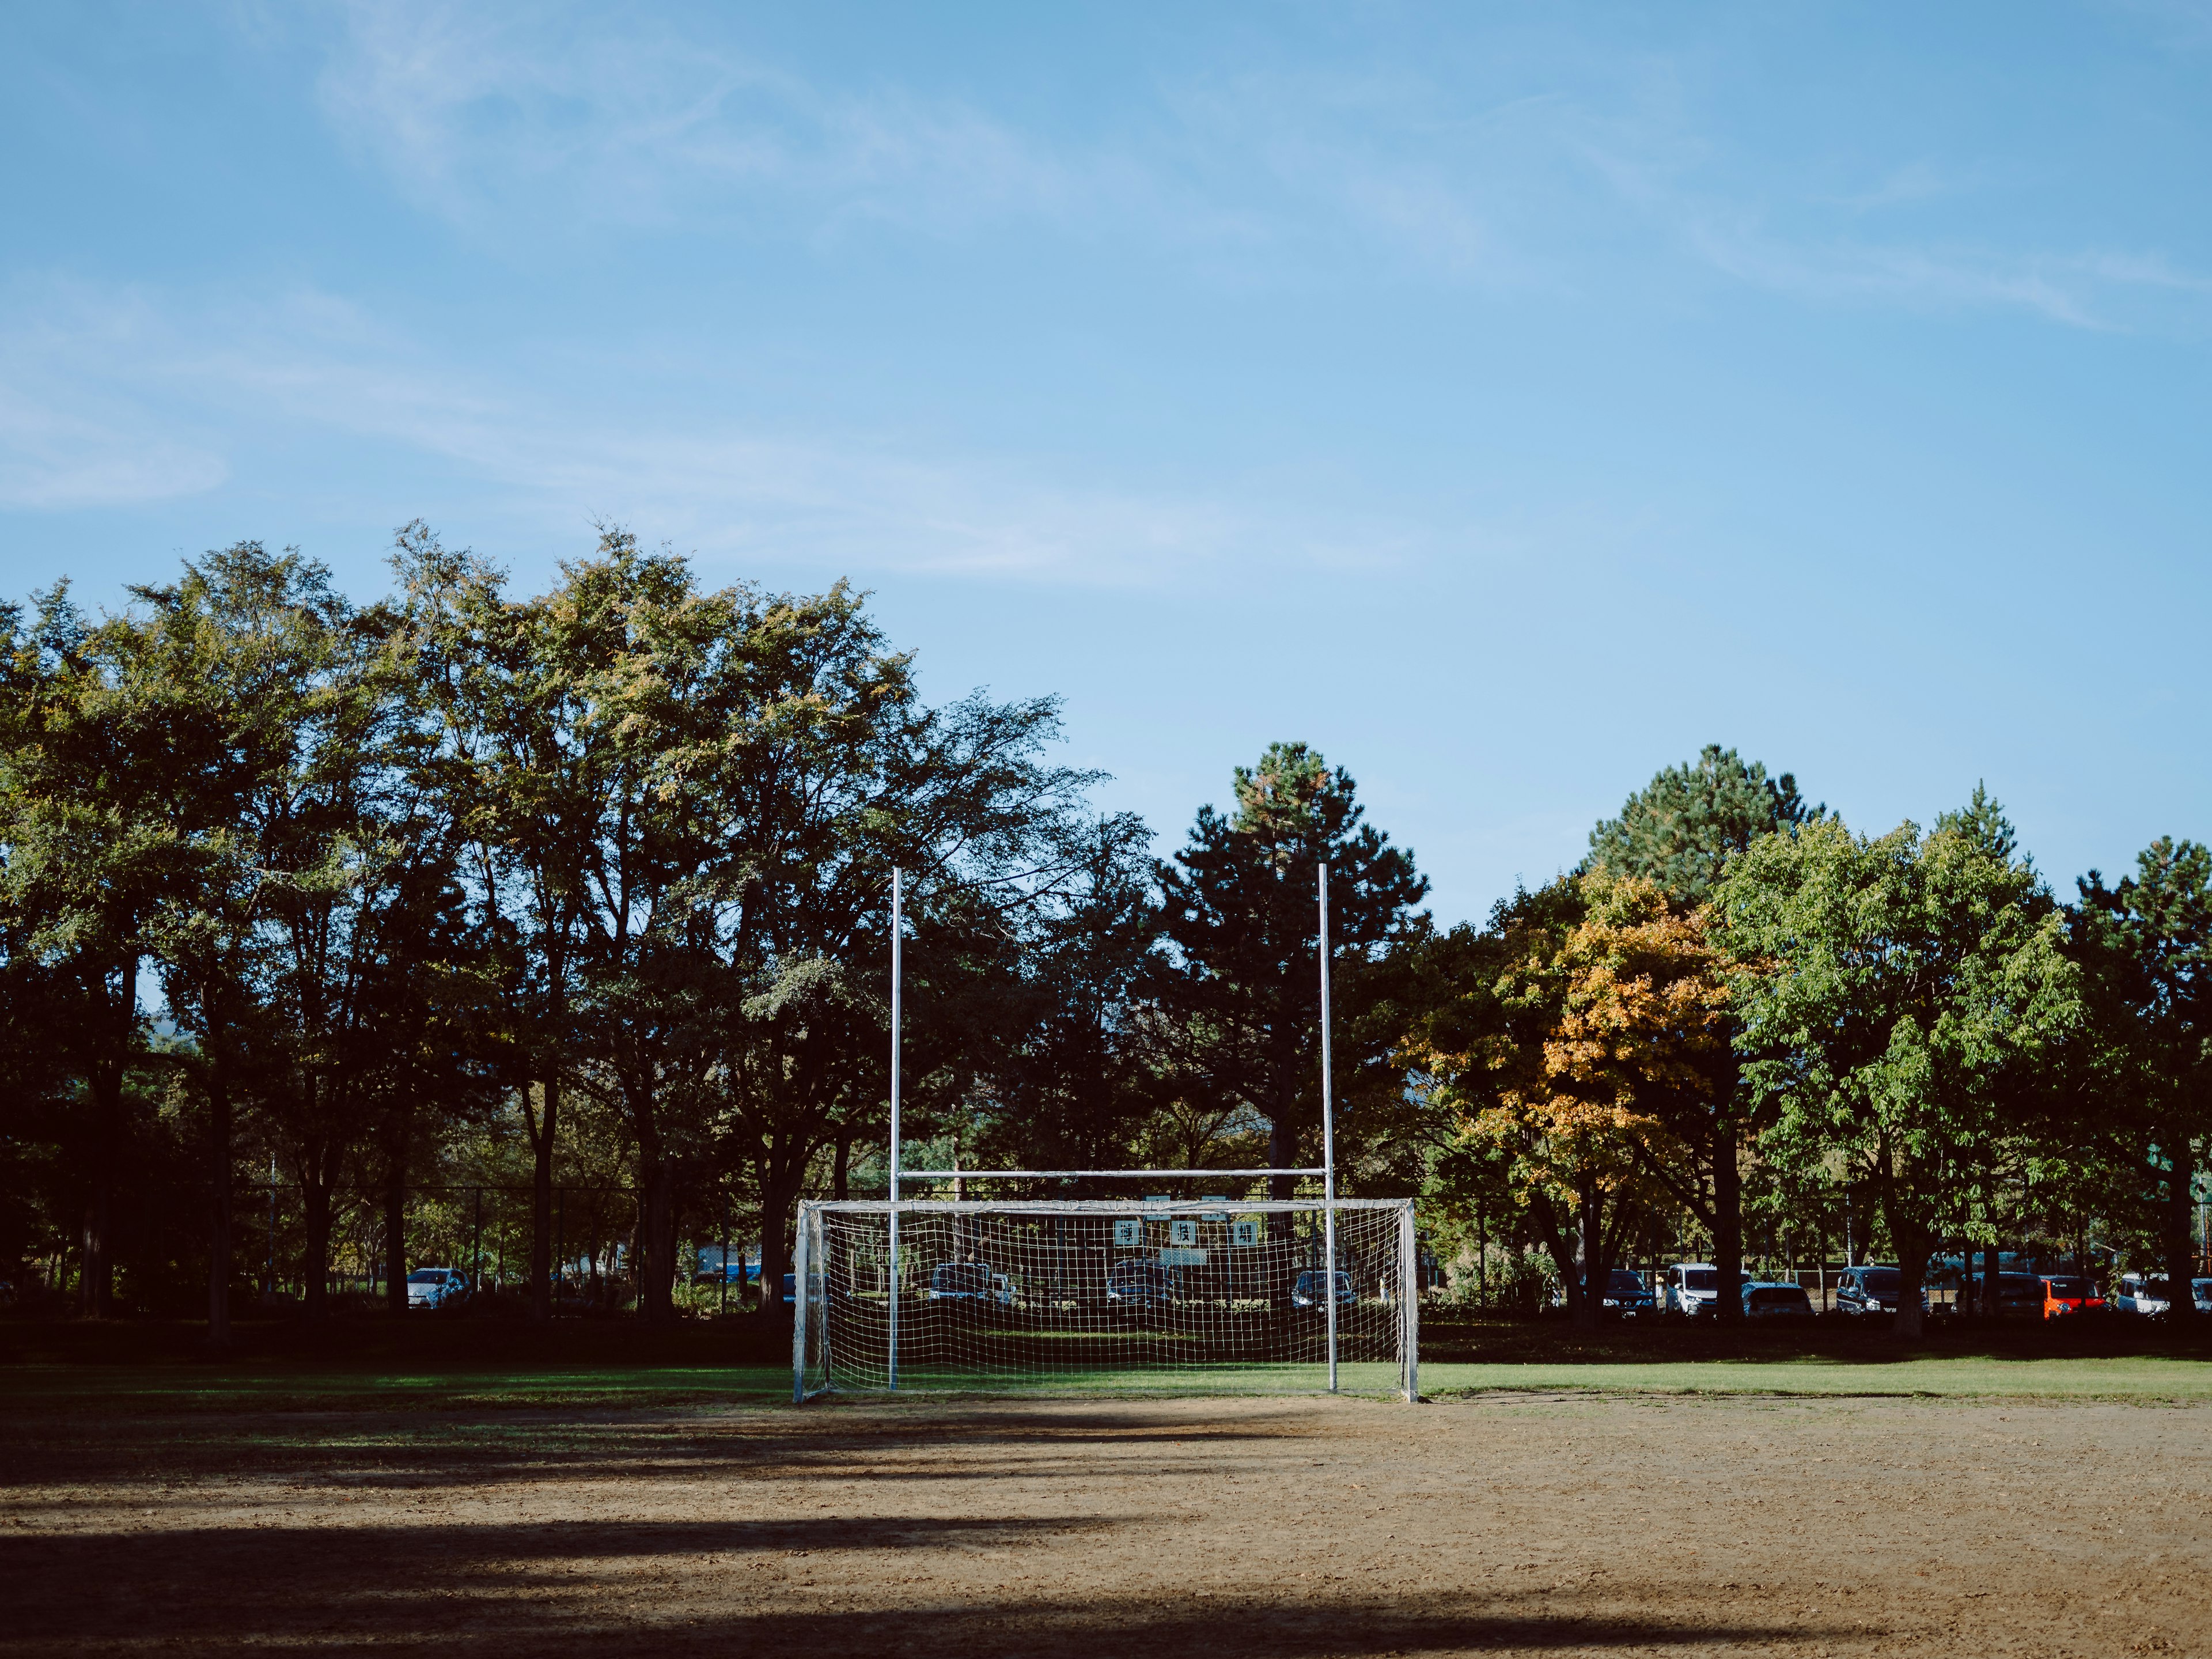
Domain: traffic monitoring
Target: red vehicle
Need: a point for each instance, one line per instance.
(2070, 1296)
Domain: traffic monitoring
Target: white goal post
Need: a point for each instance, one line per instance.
(1107, 1295)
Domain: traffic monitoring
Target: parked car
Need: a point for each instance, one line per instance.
(1872, 1290)
(1306, 1291)
(1692, 1287)
(2019, 1294)
(1137, 1285)
(1626, 1295)
(790, 1290)
(1763, 1299)
(730, 1272)
(2200, 1292)
(2142, 1293)
(972, 1283)
(2063, 1296)
(433, 1287)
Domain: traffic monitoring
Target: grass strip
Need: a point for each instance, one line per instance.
(2141, 1380)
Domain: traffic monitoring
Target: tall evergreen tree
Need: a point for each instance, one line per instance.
(1680, 828)
(1240, 911)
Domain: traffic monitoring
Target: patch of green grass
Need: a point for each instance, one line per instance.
(2137, 1379)
(158, 1389)
(144, 1390)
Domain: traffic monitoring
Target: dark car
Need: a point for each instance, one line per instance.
(1762, 1300)
(2020, 1296)
(1626, 1296)
(1139, 1286)
(1306, 1292)
(1872, 1290)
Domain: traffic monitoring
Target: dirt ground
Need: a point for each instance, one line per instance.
(1133, 1529)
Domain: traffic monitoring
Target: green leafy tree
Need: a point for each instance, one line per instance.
(1241, 915)
(2145, 946)
(524, 768)
(304, 957)
(1079, 1069)
(1901, 999)
(88, 784)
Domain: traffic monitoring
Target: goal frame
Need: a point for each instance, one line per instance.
(809, 1259)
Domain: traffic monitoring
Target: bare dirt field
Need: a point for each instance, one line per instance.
(1137, 1529)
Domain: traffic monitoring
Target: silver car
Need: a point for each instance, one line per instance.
(433, 1287)
(1692, 1287)
(2142, 1293)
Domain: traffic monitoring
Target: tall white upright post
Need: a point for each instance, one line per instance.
(1327, 1145)
(891, 1365)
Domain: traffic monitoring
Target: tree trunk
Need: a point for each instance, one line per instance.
(1912, 1248)
(395, 1231)
(840, 1169)
(782, 1173)
(1728, 1222)
(1991, 1265)
(315, 1264)
(1282, 1154)
(2177, 1231)
(1588, 1308)
(541, 1194)
(219, 1220)
(96, 1279)
(1558, 1243)
(656, 1245)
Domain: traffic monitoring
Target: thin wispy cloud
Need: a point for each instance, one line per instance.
(1276, 173)
(478, 112)
(308, 362)
(1817, 248)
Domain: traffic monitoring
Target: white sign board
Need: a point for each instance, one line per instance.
(1244, 1230)
(1184, 1231)
(1128, 1230)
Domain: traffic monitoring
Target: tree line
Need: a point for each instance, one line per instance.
(295, 880)
(1736, 990)
(603, 874)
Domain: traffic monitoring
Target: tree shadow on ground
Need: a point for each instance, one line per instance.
(436, 1448)
(593, 1589)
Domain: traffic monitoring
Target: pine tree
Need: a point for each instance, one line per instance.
(1241, 915)
(1681, 828)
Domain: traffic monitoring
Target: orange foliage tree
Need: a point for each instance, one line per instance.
(1598, 1041)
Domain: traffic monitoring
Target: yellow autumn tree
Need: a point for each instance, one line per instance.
(1599, 1035)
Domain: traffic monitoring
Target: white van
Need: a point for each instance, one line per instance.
(2142, 1293)
(1692, 1287)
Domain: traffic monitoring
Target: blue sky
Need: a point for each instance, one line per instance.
(1506, 400)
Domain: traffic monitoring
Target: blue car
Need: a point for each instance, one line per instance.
(1306, 1292)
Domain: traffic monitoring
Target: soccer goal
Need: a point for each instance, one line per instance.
(1107, 1296)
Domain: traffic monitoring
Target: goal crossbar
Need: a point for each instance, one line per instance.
(1100, 1175)
(1082, 1296)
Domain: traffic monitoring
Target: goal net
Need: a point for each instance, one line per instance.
(1107, 1295)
